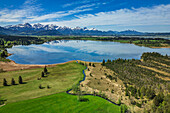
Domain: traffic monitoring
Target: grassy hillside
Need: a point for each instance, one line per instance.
(60, 78)
(62, 103)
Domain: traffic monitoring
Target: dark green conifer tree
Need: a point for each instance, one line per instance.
(20, 80)
(42, 74)
(12, 81)
(45, 69)
(5, 82)
(103, 63)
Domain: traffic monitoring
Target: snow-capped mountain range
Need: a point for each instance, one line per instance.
(39, 26)
(50, 29)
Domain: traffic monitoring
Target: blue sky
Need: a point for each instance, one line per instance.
(116, 15)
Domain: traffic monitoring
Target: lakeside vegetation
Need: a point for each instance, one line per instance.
(7, 41)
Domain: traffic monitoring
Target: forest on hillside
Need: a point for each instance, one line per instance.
(146, 78)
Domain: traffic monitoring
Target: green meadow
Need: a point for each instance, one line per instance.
(60, 78)
(28, 98)
(61, 103)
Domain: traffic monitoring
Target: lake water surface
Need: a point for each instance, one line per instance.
(60, 51)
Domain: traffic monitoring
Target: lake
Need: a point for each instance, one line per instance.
(60, 51)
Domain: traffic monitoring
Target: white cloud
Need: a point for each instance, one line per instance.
(157, 15)
(76, 3)
(56, 15)
(27, 13)
(85, 6)
(30, 2)
(16, 15)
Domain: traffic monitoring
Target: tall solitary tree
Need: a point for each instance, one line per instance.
(103, 63)
(42, 74)
(5, 82)
(12, 81)
(45, 69)
(20, 80)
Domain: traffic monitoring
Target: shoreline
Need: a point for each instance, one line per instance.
(161, 47)
(13, 66)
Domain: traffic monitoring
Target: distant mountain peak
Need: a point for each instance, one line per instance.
(27, 28)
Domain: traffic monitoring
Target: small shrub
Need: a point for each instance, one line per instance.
(112, 91)
(40, 87)
(91, 75)
(48, 87)
(39, 78)
(119, 102)
(137, 104)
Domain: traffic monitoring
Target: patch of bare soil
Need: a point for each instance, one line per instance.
(161, 63)
(12, 66)
(98, 82)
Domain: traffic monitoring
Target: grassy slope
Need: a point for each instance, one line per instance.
(62, 103)
(61, 78)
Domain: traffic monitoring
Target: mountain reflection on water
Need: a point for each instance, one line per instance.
(60, 51)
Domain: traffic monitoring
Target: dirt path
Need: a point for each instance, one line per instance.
(153, 69)
(161, 63)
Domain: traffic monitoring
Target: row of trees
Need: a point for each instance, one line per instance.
(45, 71)
(20, 81)
(84, 64)
(149, 56)
(7, 41)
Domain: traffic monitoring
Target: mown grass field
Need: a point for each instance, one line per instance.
(61, 103)
(60, 78)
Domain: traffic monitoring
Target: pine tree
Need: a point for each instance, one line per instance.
(126, 92)
(45, 69)
(42, 74)
(12, 81)
(5, 82)
(90, 64)
(20, 80)
(108, 61)
(119, 102)
(103, 63)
